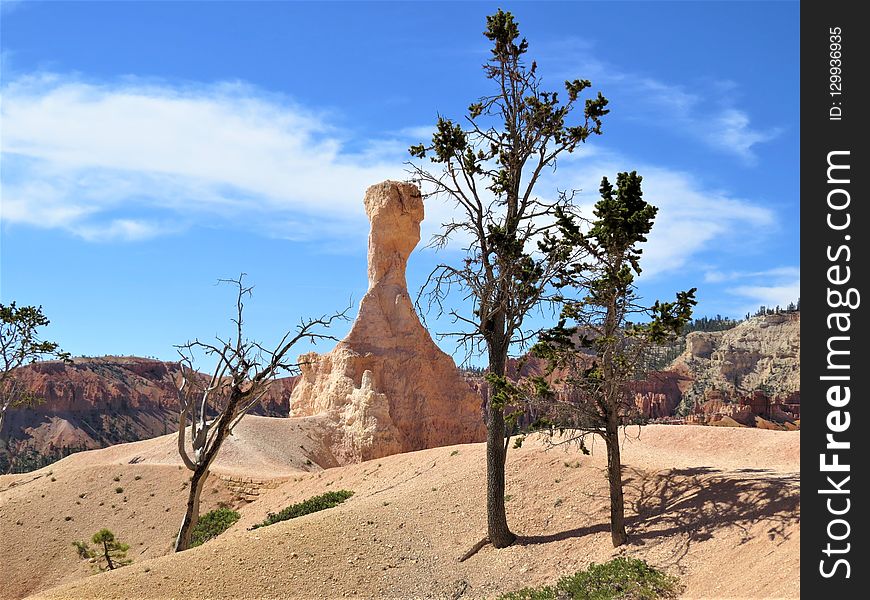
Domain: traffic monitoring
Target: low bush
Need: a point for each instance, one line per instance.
(315, 504)
(109, 553)
(619, 579)
(212, 524)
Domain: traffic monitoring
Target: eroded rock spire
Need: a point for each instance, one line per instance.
(387, 385)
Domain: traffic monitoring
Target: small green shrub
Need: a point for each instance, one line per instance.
(109, 552)
(119, 490)
(315, 504)
(542, 593)
(116, 478)
(212, 524)
(83, 550)
(619, 579)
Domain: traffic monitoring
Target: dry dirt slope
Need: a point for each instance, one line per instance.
(719, 507)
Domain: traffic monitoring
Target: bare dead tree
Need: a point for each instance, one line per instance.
(211, 406)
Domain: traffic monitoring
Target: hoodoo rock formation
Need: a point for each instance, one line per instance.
(387, 386)
(659, 395)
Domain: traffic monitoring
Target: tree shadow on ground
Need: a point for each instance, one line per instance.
(686, 506)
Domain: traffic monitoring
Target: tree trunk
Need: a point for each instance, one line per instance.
(197, 480)
(191, 514)
(614, 477)
(3, 410)
(500, 535)
(109, 562)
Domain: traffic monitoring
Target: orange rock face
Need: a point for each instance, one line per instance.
(97, 402)
(387, 386)
(658, 395)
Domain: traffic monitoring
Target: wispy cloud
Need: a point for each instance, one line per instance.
(715, 276)
(768, 295)
(707, 113)
(219, 151)
(731, 131)
(768, 287)
(132, 160)
(692, 218)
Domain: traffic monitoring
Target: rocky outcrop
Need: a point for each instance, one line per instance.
(387, 386)
(761, 354)
(749, 409)
(118, 384)
(660, 393)
(747, 375)
(91, 403)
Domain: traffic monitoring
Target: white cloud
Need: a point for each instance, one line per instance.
(131, 161)
(707, 113)
(709, 119)
(225, 150)
(124, 230)
(770, 296)
(716, 276)
(691, 218)
(768, 287)
(730, 130)
(671, 97)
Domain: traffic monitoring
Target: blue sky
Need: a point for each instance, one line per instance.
(150, 148)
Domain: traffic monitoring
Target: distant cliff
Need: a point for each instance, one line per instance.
(96, 402)
(761, 354)
(747, 372)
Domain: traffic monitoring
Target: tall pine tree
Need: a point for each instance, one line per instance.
(489, 169)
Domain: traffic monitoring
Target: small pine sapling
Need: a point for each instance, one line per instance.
(109, 554)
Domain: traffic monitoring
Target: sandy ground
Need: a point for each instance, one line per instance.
(719, 507)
